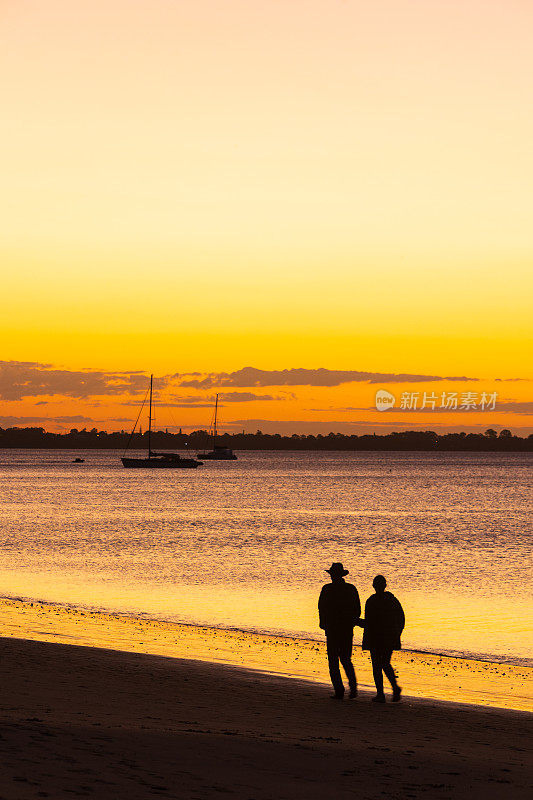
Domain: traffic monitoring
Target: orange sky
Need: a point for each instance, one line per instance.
(205, 185)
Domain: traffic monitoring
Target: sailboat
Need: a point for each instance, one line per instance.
(156, 460)
(219, 452)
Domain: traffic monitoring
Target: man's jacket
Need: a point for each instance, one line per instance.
(339, 607)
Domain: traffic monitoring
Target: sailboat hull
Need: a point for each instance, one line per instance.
(213, 455)
(160, 463)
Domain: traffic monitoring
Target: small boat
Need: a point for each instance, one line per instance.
(156, 460)
(219, 452)
(78, 461)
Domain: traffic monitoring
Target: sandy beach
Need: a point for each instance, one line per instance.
(80, 721)
(104, 721)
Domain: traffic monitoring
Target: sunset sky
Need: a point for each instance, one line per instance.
(203, 186)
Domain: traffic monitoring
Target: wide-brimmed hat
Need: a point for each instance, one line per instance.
(337, 569)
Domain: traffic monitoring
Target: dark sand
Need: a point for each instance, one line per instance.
(82, 721)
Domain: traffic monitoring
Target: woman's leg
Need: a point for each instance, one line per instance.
(375, 655)
(386, 656)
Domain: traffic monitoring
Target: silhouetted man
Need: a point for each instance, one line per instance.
(339, 609)
(383, 626)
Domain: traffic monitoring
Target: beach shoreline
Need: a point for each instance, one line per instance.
(296, 637)
(423, 675)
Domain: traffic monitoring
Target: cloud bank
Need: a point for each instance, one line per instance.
(196, 401)
(12, 420)
(253, 377)
(516, 406)
(19, 379)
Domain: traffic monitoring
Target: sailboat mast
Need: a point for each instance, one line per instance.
(215, 422)
(150, 419)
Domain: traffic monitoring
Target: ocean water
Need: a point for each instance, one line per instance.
(245, 544)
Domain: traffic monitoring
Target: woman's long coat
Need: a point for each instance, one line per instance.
(384, 622)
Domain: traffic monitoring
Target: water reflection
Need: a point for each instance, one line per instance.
(245, 543)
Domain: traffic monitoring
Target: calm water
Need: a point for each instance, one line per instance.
(244, 544)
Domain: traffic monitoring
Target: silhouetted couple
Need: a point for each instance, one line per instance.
(339, 609)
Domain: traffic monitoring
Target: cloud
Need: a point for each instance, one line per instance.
(358, 427)
(248, 397)
(515, 406)
(252, 377)
(346, 427)
(185, 404)
(508, 406)
(288, 427)
(175, 401)
(11, 420)
(194, 401)
(19, 379)
(511, 406)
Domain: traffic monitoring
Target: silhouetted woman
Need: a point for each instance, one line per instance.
(383, 626)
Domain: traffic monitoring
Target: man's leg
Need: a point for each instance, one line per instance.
(375, 655)
(333, 661)
(345, 654)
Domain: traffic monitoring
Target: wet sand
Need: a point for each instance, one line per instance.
(89, 722)
(422, 675)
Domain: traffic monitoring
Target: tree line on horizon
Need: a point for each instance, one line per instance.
(94, 439)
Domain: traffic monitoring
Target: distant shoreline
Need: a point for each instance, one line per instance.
(401, 441)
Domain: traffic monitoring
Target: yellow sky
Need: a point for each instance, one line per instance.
(204, 185)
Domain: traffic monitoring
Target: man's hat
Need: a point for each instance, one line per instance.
(337, 569)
